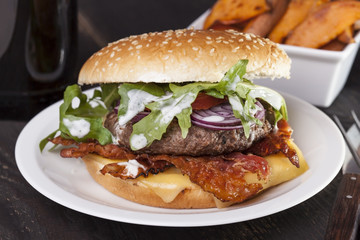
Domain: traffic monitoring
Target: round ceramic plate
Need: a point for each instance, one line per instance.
(67, 182)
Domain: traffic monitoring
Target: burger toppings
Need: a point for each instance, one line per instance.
(165, 102)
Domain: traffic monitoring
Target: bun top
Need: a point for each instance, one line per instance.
(185, 55)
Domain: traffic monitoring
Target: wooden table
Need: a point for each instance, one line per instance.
(26, 214)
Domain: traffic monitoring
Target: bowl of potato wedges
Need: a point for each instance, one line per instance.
(320, 36)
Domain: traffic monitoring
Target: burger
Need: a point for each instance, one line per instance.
(176, 121)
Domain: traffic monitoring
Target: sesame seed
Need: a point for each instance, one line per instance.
(112, 54)
(195, 48)
(135, 42)
(248, 47)
(209, 42)
(138, 46)
(190, 40)
(130, 48)
(118, 59)
(179, 44)
(212, 50)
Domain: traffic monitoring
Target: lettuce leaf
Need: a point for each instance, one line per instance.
(81, 116)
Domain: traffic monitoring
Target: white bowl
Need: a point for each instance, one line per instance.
(317, 76)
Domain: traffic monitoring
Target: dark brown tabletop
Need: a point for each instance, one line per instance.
(27, 214)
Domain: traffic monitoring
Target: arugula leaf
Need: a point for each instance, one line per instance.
(81, 117)
(45, 141)
(84, 121)
(109, 94)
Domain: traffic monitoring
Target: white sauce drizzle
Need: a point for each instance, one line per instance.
(132, 167)
(78, 128)
(96, 102)
(271, 97)
(137, 101)
(138, 141)
(75, 102)
(232, 86)
(236, 105)
(176, 106)
(214, 118)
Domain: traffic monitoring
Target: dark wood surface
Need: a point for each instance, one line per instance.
(344, 218)
(26, 214)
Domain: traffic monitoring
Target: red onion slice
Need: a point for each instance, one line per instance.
(221, 117)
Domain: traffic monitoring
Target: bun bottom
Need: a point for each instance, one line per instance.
(136, 191)
(187, 195)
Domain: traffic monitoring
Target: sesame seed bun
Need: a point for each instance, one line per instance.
(185, 55)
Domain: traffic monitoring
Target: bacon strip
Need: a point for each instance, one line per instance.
(147, 167)
(276, 142)
(221, 175)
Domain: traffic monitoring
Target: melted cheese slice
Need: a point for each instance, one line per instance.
(169, 184)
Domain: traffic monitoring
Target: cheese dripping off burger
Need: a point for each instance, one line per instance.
(177, 121)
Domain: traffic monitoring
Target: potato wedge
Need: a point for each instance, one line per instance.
(325, 24)
(263, 23)
(347, 36)
(234, 11)
(334, 45)
(296, 12)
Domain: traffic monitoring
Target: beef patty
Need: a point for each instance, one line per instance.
(199, 141)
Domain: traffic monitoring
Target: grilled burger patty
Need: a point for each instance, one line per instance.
(199, 141)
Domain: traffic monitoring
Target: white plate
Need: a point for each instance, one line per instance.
(67, 182)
